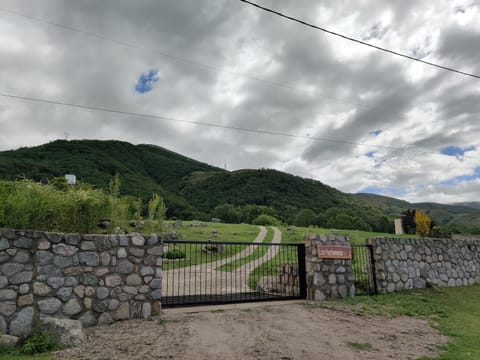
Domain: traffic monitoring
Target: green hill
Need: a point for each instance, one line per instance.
(193, 189)
(143, 169)
(443, 214)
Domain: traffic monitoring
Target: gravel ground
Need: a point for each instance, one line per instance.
(290, 331)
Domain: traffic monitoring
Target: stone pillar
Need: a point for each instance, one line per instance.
(327, 278)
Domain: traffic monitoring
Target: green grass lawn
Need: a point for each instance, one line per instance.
(26, 357)
(256, 254)
(454, 311)
(213, 231)
(295, 234)
(193, 254)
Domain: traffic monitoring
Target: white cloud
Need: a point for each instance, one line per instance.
(298, 81)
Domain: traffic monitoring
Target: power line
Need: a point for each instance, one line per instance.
(170, 56)
(359, 41)
(203, 66)
(156, 52)
(220, 126)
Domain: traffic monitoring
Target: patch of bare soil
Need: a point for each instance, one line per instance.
(277, 332)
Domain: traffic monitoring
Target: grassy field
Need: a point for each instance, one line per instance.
(454, 311)
(26, 357)
(294, 234)
(259, 252)
(191, 230)
(194, 254)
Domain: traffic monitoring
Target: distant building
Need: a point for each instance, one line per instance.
(71, 179)
(399, 227)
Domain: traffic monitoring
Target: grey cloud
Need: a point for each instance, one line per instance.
(56, 63)
(461, 45)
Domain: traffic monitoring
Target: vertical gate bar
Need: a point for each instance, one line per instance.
(302, 271)
(179, 269)
(195, 273)
(260, 274)
(190, 255)
(244, 284)
(174, 272)
(246, 268)
(373, 271)
(212, 292)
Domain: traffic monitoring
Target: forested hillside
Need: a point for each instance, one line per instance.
(193, 189)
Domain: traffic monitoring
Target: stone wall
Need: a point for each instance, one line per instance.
(414, 263)
(285, 282)
(327, 278)
(288, 279)
(466, 236)
(96, 279)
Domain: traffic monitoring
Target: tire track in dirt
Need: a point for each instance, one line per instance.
(203, 279)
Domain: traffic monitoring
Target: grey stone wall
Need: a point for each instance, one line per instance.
(466, 236)
(288, 279)
(96, 279)
(286, 282)
(327, 278)
(414, 263)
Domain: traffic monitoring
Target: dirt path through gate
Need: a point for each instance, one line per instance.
(289, 332)
(205, 279)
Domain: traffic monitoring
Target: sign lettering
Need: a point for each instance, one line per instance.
(334, 252)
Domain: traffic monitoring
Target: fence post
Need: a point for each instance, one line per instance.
(330, 273)
(302, 272)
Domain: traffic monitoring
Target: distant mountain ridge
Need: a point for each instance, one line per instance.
(192, 189)
(443, 214)
(471, 204)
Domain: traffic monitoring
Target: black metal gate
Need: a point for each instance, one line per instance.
(203, 272)
(363, 267)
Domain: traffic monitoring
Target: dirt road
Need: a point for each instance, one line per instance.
(205, 279)
(293, 331)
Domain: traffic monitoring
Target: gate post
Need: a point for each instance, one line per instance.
(328, 267)
(302, 271)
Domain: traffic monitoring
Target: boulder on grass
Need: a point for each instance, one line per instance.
(66, 332)
(8, 340)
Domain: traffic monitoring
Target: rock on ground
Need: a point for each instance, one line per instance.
(66, 332)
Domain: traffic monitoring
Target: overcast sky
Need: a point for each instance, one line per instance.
(227, 63)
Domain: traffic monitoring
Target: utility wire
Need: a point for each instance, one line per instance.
(189, 62)
(359, 41)
(229, 127)
(172, 57)
(161, 53)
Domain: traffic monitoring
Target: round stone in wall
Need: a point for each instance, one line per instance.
(133, 280)
(102, 293)
(21, 325)
(124, 267)
(72, 307)
(49, 306)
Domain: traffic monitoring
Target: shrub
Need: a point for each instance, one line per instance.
(38, 342)
(30, 205)
(265, 220)
(305, 217)
(175, 254)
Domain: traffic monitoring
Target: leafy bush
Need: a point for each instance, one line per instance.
(26, 204)
(305, 217)
(38, 342)
(30, 205)
(265, 220)
(175, 254)
(343, 221)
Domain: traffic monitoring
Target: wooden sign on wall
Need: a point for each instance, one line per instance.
(334, 252)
